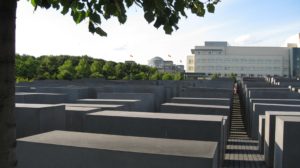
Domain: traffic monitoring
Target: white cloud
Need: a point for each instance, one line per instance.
(243, 39)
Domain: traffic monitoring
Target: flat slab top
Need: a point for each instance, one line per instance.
(74, 108)
(282, 113)
(34, 93)
(254, 99)
(161, 146)
(195, 98)
(169, 116)
(289, 118)
(196, 105)
(272, 104)
(262, 116)
(93, 105)
(109, 100)
(27, 105)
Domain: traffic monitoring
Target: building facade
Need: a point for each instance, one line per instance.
(220, 58)
(165, 66)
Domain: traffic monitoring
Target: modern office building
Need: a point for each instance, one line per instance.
(165, 66)
(221, 58)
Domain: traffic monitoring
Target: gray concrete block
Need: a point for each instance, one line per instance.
(61, 149)
(158, 91)
(272, 101)
(75, 117)
(269, 139)
(40, 98)
(73, 92)
(101, 106)
(146, 99)
(159, 125)
(261, 133)
(207, 101)
(287, 137)
(132, 104)
(38, 118)
(195, 109)
(206, 92)
(261, 108)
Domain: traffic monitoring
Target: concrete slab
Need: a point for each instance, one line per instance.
(77, 150)
(158, 91)
(195, 109)
(147, 99)
(287, 137)
(159, 125)
(206, 92)
(269, 139)
(261, 108)
(261, 133)
(132, 104)
(40, 98)
(33, 119)
(101, 106)
(207, 101)
(75, 117)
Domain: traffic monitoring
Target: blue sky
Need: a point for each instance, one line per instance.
(240, 22)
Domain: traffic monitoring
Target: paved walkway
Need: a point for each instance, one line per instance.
(241, 150)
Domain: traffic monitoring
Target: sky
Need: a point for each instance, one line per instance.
(240, 22)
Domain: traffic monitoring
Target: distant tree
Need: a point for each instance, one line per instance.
(178, 76)
(26, 67)
(120, 71)
(96, 69)
(83, 68)
(66, 71)
(109, 69)
(233, 76)
(155, 76)
(140, 76)
(214, 76)
(167, 76)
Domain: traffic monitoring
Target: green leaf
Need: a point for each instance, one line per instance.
(149, 16)
(95, 18)
(210, 8)
(45, 4)
(80, 6)
(168, 29)
(122, 19)
(159, 21)
(81, 17)
(65, 10)
(129, 3)
(100, 32)
(91, 27)
(34, 3)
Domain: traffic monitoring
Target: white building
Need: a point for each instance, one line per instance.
(220, 58)
(165, 66)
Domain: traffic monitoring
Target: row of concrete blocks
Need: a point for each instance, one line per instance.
(178, 126)
(166, 126)
(279, 138)
(258, 101)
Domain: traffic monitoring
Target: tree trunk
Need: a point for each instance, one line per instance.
(7, 83)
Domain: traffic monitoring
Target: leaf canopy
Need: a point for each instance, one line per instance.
(164, 13)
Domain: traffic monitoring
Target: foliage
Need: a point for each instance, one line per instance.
(214, 76)
(167, 76)
(178, 76)
(21, 79)
(165, 13)
(83, 68)
(233, 76)
(66, 71)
